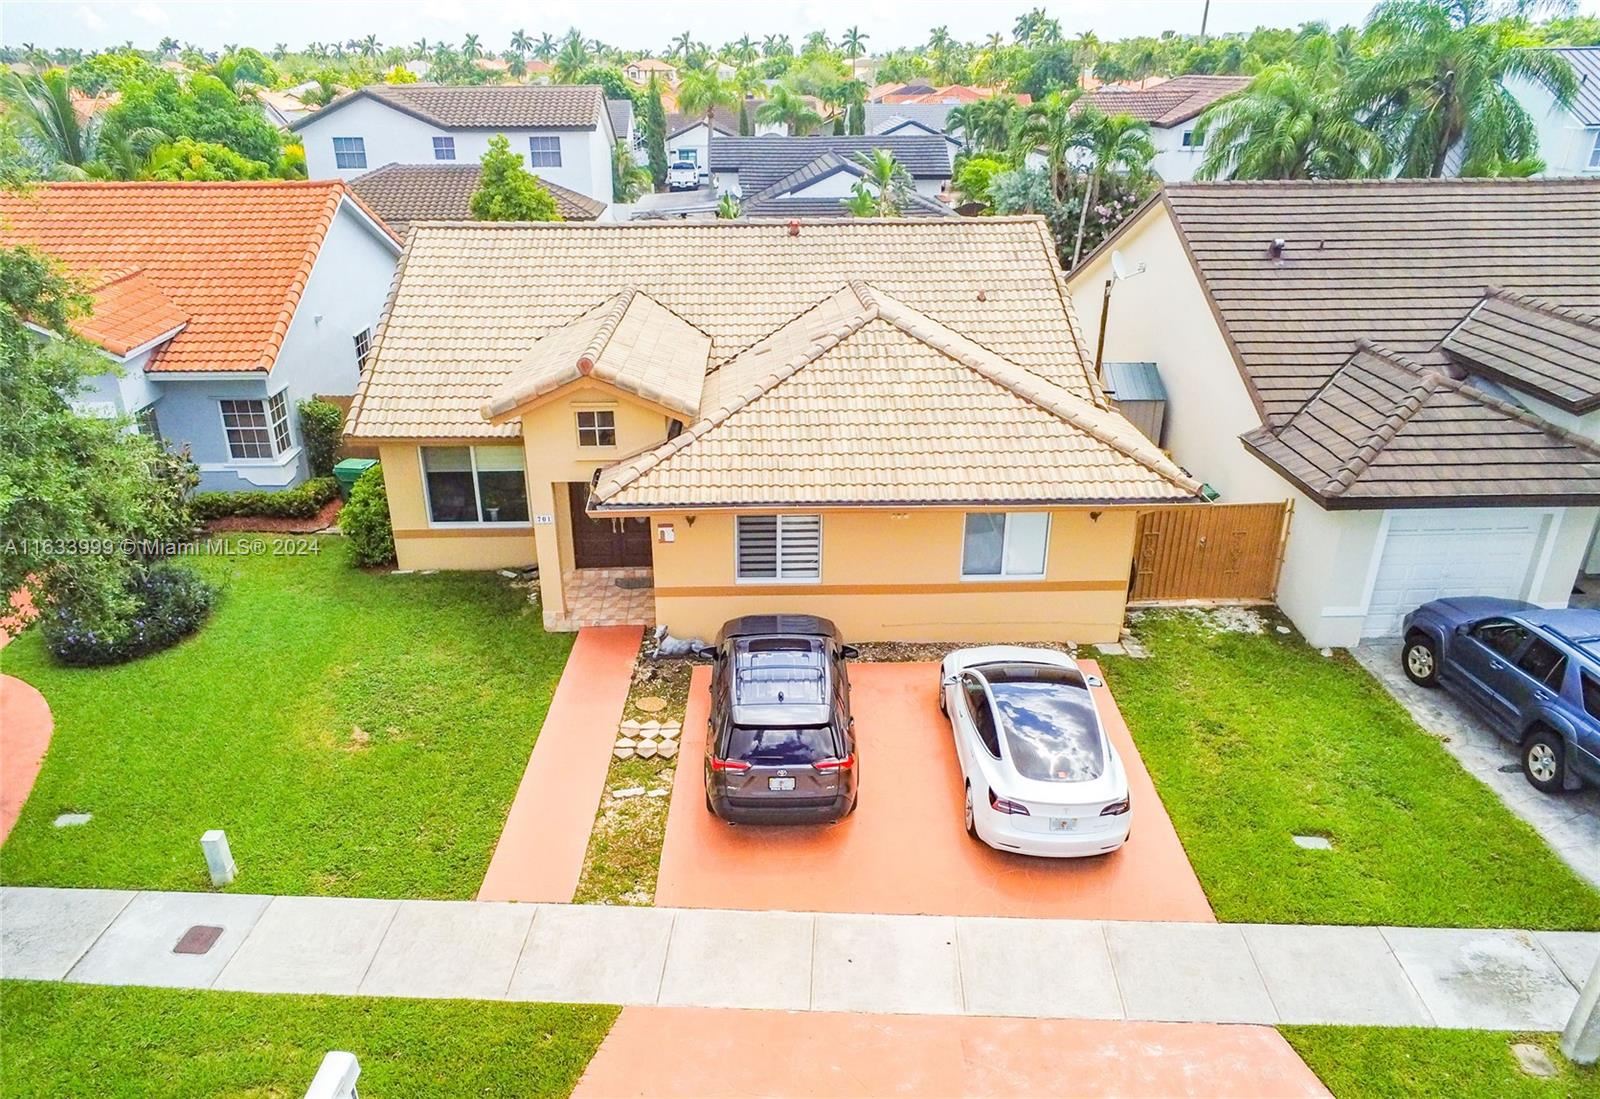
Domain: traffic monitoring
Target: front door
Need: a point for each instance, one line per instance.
(606, 543)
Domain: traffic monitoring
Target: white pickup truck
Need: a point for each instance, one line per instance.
(682, 176)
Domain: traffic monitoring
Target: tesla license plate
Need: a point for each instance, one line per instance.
(780, 784)
(1063, 824)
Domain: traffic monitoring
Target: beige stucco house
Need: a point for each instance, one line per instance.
(1414, 364)
(886, 422)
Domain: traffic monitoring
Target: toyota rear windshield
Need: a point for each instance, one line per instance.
(780, 747)
(1048, 720)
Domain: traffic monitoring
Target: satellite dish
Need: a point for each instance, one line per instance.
(1119, 266)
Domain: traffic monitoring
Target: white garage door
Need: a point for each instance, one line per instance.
(1433, 554)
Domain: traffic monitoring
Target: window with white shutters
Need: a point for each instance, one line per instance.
(777, 548)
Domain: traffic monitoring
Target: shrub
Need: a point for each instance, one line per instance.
(301, 502)
(365, 520)
(168, 603)
(322, 428)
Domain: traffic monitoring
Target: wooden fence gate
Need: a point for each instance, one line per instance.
(1222, 552)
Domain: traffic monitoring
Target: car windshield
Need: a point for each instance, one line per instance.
(780, 747)
(1048, 720)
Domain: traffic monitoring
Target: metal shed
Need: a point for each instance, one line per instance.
(1137, 392)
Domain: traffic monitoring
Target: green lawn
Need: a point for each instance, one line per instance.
(83, 1040)
(355, 733)
(1401, 1063)
(1254, 738)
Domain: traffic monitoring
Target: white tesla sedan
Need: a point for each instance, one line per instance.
(1042, 777)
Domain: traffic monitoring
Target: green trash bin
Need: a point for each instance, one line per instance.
(349, 471)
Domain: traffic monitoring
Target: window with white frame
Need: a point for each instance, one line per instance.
(597, 427)
(1594, 154)
(363, 341)
(350, 152)
(686, 156)
(475, 484)
(778, 547)
(146, 424)
(444, 148)
(1193, 140)
(544, 152)
(1001, 545)
(256, 429)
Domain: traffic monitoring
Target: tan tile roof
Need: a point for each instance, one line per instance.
(1533, 347)
(1438, 441)
(631, 342)
(231, 259)
(403, 193)
(882, 406)
(1169, 102)
(471, 299)
(484, 107)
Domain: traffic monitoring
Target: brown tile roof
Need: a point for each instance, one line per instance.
(471, 299)
(1399, 263)
(1169, 102)
(723, 121)
(630, 342)
(231, 259)
(485, 107)
(403, 193)
(1385, 432)
(882, 405)
(1532, 347)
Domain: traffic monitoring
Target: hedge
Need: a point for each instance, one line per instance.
(301, 502)
(365, 520)
(170, 601)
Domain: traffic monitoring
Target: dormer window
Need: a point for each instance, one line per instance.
(597, 427)
(444, 148)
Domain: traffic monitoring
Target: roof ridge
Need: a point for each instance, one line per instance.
(1381, 436)
(1022, 382)
(1541, 305)
(609, 320)
(358, 401)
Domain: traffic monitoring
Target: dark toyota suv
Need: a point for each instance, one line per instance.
(782, 744)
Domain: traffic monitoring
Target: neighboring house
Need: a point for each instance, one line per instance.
(820, 188)
(404, 193)
(750, 165)
(538, 72)
(623, 121)
(889, 423)
(1414, 364)
(885, 117)
(640, 71)
(219, 306)
(689, 138)
(282, 108)
(1172, 108)
(563, 132)
(1569, 137)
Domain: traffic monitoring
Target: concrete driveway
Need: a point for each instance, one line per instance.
(1570, 823)
(905, 849)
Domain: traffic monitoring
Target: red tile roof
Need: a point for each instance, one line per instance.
(1169, 102)
(228, 261)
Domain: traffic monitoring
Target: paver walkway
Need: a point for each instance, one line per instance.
(1570, 822)
(786, 961)
(540, 853)
(904, 850)
(661, 1051)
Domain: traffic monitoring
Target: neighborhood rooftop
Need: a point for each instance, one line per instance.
(1585, 62)
(787, 197)
(403, 193)
(763, 161)
(224, 262)
(487, 107)
(1169, 102)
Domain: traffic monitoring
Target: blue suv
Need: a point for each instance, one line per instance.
(1534, 673)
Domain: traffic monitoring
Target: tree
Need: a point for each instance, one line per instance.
(189, 160)
(655, 131)
(747, 85)
(789, 108)
(1435, 79)
(507, 191)
(629, 180)
(728, 207)
(1052, 127)
(47, 124)
(776, 45)
(65, 477)
(744, 51)
(202, 108)
(241, 68)
(1294, 121)
(974, 176)
(571, 61)
(1113, 144)
(521, 44)
(470, 48)
(682, 47)
(398, 75)
(368, 47)
(854, 42)
(546, 48)
(885, 189)
(702, 91)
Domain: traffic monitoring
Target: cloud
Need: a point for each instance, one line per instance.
(154, 14)
(91, 18)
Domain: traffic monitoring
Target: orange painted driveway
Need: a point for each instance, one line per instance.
(540, 853)
(662, 1051)
(905, 849)
(25, 723)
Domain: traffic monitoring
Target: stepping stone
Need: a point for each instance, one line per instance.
(627, 742)
(1314, 843)
(623, 753)
(650, 727)
(647, 749)
(628, 792)
(629, 727)
(1533, 1060)
(1112, 649)
(508, 574)
(668, 749)
(658, 793)
(69, 820)
(650, 704)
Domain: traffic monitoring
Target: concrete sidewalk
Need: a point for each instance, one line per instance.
(929, 965)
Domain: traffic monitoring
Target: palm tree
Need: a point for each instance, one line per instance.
(368, 46)
(41, 104)
(127, 155)
(884, 190)
(987, 123)
(1294, 121)
(747, 84)
(702, 91)
(546, 49)
(744, 51)
(419, 48)
(280, 51)
(728, 207)
(682, 47)
(1114, 144)
(470, 49)
(1051, 126)
(521, 43)
(167, 46)
(939, 40)
(852, 97)
(776, 45)
(571, 61)
(786, 106)
(1434, 79)
(629, 179)
(854, 42)
(816, 42)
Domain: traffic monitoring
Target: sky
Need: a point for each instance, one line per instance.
(636, 24)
